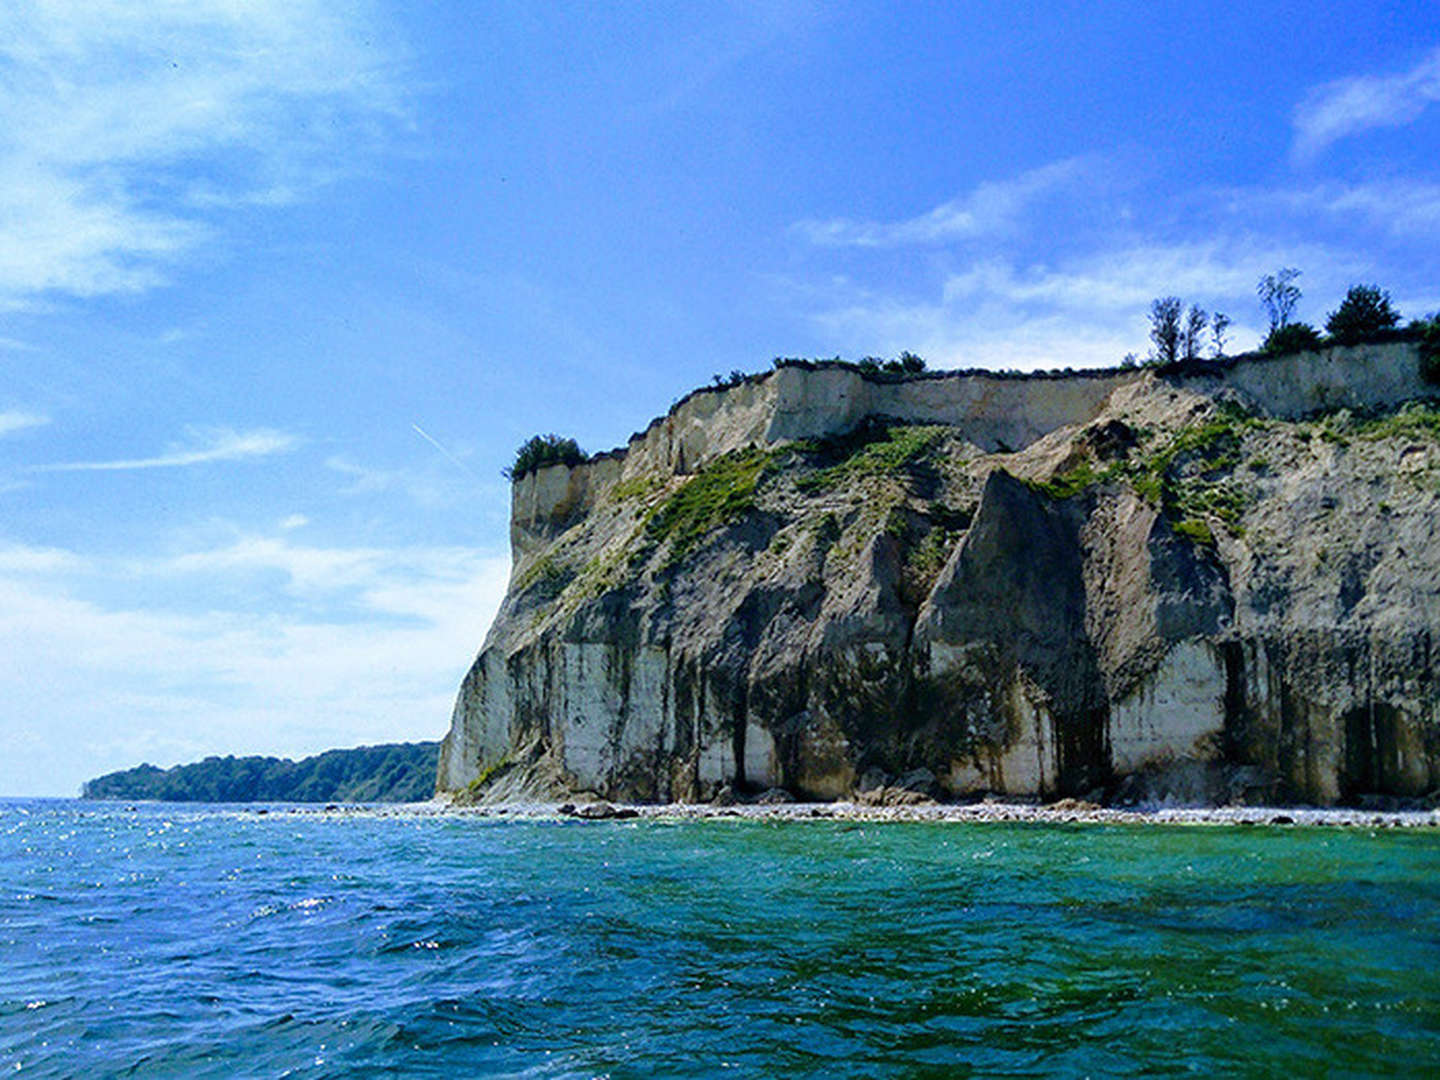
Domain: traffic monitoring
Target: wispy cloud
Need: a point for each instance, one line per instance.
(1345, 107)
(26, 559)
(13, 421)
(436, 484)
(128, 126)
(216, 444)
(1125, 278)
(304, 567)
(987, 209)
(368, 481)
(1087, 311)
(1407, 209)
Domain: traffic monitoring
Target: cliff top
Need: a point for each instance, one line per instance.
(875, 375)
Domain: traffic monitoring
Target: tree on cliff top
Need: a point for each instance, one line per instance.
(1365, 312)
(540, 450)
(1279, 293)
(1165, 328)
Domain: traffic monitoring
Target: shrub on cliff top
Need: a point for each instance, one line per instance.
(1429, 330)
(540, 450)
(1292, 337)
(1365, 312)
(907, 363)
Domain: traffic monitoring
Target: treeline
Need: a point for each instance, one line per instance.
(394, 772)
(1366, 314)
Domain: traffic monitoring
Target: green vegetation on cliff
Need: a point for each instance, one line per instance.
(872, 450)
(1189, 476)
(539, 451)
(394, 772)
(718, 494)
(1192, 475)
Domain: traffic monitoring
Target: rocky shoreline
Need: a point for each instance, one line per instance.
(1065, 812)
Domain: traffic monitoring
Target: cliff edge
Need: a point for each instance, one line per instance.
(1217, 584)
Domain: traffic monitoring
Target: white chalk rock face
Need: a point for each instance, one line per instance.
(1195, 585)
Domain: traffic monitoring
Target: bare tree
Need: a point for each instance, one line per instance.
(1219, 330)
(1279, 293)
(1165, 330)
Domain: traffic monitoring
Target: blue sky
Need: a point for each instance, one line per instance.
(283, 284)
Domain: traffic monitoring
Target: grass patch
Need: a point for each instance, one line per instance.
(720, 493)
(545, 571)
(925, 542)
(1418, 420)
(604, 572)
(927, 558)
(1195, 499)
(1073, 481)
(493, 771)
(1196, 530)
(637, 487)
(1188, 478)
(873, 450)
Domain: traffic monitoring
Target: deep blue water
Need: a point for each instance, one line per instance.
(206, 941)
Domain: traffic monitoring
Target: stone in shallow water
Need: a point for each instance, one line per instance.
(774, 796)
(600, 811)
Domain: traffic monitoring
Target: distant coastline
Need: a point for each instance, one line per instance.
(387, 773)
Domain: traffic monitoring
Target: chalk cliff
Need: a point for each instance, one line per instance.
(1220, 583)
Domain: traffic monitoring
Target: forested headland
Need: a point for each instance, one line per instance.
(393, 772)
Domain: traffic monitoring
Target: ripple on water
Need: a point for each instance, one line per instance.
(338, 945)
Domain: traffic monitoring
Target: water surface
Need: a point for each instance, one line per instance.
(212, 941)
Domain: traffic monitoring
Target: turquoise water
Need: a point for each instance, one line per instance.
(166, 941)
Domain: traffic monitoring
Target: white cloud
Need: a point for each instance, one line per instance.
(19, 558)
(305, 568)
(1088, 311)
(1407, 209)
(987, 209)
(435, 485)
(215, 444)
(375, 654)
(14, 420)
(1337, 110)
(1123, 279)
(123, 125)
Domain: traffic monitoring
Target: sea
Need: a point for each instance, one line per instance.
(155, 940)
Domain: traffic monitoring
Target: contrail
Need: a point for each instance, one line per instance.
(456, 461)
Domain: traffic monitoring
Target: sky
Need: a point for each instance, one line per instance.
(283, 284)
